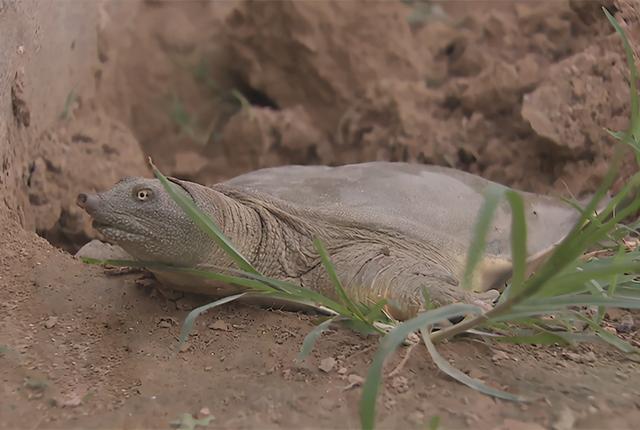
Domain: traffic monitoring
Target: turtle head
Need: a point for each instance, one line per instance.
(140, 216)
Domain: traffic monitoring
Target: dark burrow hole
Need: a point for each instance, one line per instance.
(254, 96)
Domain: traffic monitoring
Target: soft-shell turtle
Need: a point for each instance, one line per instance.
(390, 228)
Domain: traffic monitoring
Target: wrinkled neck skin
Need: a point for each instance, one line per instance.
(276, 242)
(254, 236)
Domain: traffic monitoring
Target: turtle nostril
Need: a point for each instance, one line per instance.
(81, 200)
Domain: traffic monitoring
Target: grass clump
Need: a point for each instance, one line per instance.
(543, 308)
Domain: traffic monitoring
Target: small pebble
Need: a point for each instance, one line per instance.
(342, 371)
(354, 381)
(219, 325)
(513, 424)
(354, 378)
(417, 418)
(327, 364)
(588, 357)
(626, 324)
(499, 355)
(204, 412)
(51, 322)
(71, 402)
(566, 420)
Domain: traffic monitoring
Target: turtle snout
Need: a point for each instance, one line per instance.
(88, 202)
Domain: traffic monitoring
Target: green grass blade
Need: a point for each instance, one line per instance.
(187, 326)
(462, 377)
(611, 212)
(376, 312)
(434, 423)
(331, 271)
(362, 327)
(595, 233)
(524, 315)
(610, 338)
(618, 135)
(634, 127)
(289, 289)
(540, 338)
(574, 245)
(629, 292)
(311, 339)
(574, 281)
(248, 283)
(428, 303)
(562, 302)
(616, 342)
(616, 277)
(257, 283)
(390, 343)
(68, 102)
(493, 195)
(203, 221)
(518, 241)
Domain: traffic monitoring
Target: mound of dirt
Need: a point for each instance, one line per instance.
(321, 54)
(459, 85)
(286, 136)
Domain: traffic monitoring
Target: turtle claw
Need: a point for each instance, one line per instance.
(486, 300)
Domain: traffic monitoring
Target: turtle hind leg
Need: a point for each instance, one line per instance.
(409, 294)
(370, 274)
(407, 285)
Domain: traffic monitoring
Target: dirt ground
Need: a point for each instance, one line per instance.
(518, 92)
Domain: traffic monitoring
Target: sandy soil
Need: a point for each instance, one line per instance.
(210, 89)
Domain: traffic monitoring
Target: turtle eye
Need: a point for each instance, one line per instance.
(143, 194)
